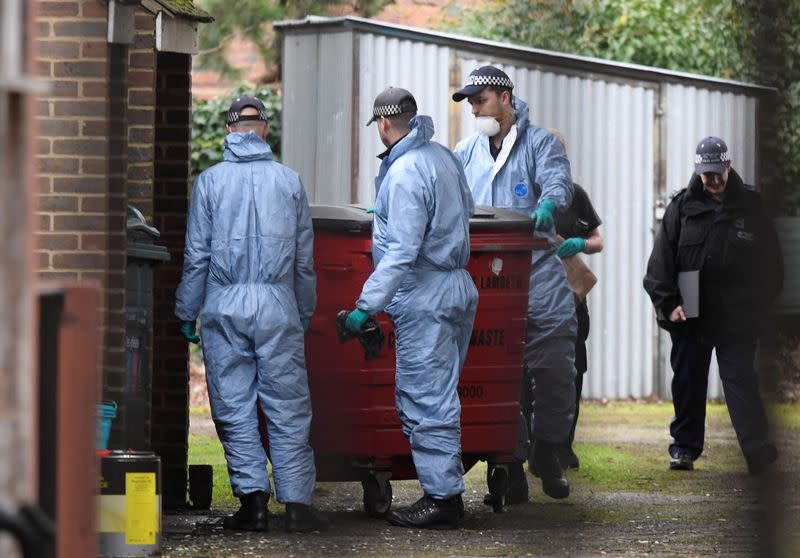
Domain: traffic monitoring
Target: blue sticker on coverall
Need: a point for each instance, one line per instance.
(521, 190)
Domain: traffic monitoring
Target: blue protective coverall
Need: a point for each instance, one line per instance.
(532, 166)
(420, 247)
(249, 263)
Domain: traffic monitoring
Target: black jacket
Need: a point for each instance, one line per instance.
(737, 253)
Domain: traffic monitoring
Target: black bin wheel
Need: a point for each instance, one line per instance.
(377, 496)
(498, 487)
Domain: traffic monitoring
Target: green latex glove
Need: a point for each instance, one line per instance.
(570, 247)
(189, 330)
(543, 215)
(356, 320)
(305, 322)
(371, 209)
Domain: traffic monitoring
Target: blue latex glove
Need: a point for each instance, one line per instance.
(305, 322)
(371, 209)
(356, 320)
(570, 247)
(543, 215)
(189, 330)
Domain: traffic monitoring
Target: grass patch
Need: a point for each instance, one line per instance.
(786, 416)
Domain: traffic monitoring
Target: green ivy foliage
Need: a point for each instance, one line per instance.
(208, 124)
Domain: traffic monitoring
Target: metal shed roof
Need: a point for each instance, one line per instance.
(586, 65)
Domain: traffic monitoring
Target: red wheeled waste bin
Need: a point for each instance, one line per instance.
(355, 431)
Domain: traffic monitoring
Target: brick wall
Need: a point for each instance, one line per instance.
(81, 159)
(170, 362)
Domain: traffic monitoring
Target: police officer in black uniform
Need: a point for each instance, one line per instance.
(716, 225)
(580, 227)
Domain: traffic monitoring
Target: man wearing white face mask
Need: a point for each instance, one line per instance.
(513, 164)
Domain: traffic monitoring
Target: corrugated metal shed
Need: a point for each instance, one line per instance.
(630, 130)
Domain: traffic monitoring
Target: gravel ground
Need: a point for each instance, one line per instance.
(713, 511)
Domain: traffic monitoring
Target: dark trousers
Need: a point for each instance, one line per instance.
(690, 361)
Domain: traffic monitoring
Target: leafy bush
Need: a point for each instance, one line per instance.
(748, 40)
(208, 124)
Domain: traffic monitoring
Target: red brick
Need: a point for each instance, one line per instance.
(57, 9)
(43, 222)
(42, 108)
(62, 50)
(140, 172)
(81, 147)
(80, 69)
(94, 128)
(43, 29)
(44, 184)
(94, 49)
(83, 29)
(59, 88)
(141, 78)
(44, 68)
(58, 275)
(43, 146)
(57, 203)
(140, 135)
(80, 185)
(43, 259)
(142, 60)
(57, 241)
(94, 8)
(93, 241)
(141, 116)
(79, 108)
(144, 22)
(57, 165)
(94, 89)
(141, 97)
(95, 204)
(79, 223)
(79, 260)
(94, 166)
(140, 154)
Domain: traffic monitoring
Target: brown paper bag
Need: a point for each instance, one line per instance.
(579, 276)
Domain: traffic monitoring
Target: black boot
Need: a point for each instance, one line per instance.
(517, 484)
(554, 483)
(301, 518)
(252, 515)
(429, 513)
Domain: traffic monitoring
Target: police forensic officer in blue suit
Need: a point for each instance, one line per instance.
(248, 264)
(420, 248)
(512, 164)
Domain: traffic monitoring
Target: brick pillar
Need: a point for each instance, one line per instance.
(80, 162)
(171, 372)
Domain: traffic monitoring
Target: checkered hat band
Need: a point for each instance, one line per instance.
(489, 80)
(386, 110)
(723, 157)
(237, 116)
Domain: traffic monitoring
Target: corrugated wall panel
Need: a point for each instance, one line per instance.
(386, 61)
(299, 117)
(608, 127)
(691, 114)
(334, 130)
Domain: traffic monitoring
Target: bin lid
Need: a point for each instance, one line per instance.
(346, 218)
(354, 218)
(493, 218)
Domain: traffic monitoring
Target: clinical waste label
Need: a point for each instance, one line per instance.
(140, 508)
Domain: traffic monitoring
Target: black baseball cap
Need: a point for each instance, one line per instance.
(391, 102)
(711, 155)
(238, 104)
(481, 78)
